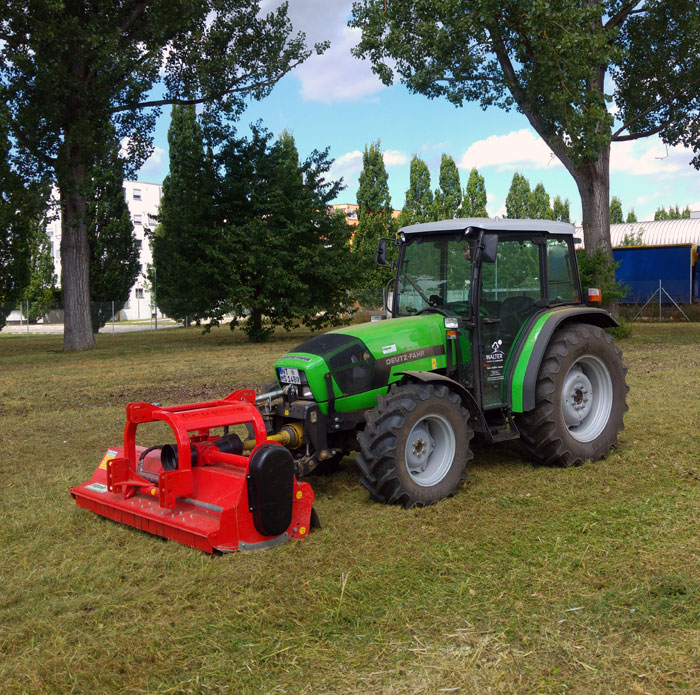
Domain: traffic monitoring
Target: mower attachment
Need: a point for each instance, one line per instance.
(202, 491)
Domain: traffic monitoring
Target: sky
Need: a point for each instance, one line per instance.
(335, 101)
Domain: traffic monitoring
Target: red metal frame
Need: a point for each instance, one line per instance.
(206, 505)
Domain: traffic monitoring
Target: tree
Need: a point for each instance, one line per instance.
(21, 206)
(616, 211)
(631, 216)
(539, 204)
(419, 197)
(40, 293)
(115, 251)
(550, 60)
(374, 222)
(560, 209)
(290, 256)
(518, 198)
(448, 197)
(674, 213)
(69, 68)
(188, 243)
(474, 201)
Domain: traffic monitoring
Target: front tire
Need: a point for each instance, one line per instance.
(415, 446)
(579, 399)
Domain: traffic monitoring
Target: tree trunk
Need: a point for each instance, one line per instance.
(75, 253)
(593, 181)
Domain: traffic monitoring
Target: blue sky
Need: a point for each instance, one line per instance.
(334, 100)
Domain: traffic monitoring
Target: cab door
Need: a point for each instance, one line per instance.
(510, 288)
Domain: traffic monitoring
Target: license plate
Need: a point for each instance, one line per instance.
(289, 376)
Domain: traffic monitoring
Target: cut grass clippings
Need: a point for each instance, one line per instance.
(530, 580)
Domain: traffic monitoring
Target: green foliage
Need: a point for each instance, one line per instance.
(69, 69)
(560, 210)
(622, 331)
(550, 61)
(41, 292)
(518, 198)
(616, 211)
(597, 270)
(448, 197)
(631, 216)
(474, 201)
(539, 204)
(633, 238)
(419, 205)
(374, 222)
(114, 249)
(191, 256)
(673, 213)
(290, 257)
(21, 206)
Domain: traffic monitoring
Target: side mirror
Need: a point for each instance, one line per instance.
(381, 253)
(489, 248)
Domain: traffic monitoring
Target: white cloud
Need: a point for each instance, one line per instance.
(154, 163)
(395, 158)
(650, 156)
(336, 75)
(350, 164)
(520, 149)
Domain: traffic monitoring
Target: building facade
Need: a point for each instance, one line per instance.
(142, 200)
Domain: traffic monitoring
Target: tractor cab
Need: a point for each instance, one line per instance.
(490, 279)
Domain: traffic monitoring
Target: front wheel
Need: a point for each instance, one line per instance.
(415, 445)
(579, 399)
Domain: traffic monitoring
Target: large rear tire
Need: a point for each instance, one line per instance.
(579, 399)
(415, 446)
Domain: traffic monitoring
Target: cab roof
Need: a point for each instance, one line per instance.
(463, 224)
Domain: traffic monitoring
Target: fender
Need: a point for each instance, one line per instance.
(525, 366)
(468, 401)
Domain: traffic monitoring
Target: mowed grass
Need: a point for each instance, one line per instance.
(530, 580)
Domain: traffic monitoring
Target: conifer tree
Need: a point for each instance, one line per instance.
(631, 216)
(374, 222)
(41, 293)
(190, 256)
(518, 198)
(616, 211)
(114, 249)
(448, 197)
(539, 204)
(419, 197)
(474, 201)
(560, 209)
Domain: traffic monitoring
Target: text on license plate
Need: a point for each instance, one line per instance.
(289, 376)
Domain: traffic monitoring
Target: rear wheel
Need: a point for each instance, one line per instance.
(415, 445)
(580, 399)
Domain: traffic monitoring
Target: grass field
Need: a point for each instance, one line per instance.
(530, 580)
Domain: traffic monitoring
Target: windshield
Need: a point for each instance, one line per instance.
(435, 273)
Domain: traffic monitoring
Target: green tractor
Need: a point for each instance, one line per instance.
(488, 334)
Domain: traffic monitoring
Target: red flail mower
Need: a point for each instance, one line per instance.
(212, 491)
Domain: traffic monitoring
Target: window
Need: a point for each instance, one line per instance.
(137, 194)
(137, 219)
(562, 285)
(139, 293)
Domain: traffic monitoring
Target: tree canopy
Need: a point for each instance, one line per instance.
(419, 204)
(448, 198)
(68, 69)
(616, 216)
(518, 198)
(474, 202)
(550, 61)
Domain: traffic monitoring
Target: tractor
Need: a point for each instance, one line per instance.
(487, 333)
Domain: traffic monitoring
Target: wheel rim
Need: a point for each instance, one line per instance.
(430, 450)
(587, 398)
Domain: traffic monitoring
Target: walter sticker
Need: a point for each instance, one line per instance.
(494, 362)
(388, 349)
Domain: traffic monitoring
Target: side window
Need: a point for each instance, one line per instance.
(561, 281)
(516, 272)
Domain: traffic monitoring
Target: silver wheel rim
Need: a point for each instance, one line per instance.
(430, 450)
(587, 398)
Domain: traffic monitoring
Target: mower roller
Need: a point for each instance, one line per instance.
(215, 493)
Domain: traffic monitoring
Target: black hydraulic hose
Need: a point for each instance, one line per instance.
(151, 477)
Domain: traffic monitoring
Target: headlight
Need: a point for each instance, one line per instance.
(451, 322)
(306, 392)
